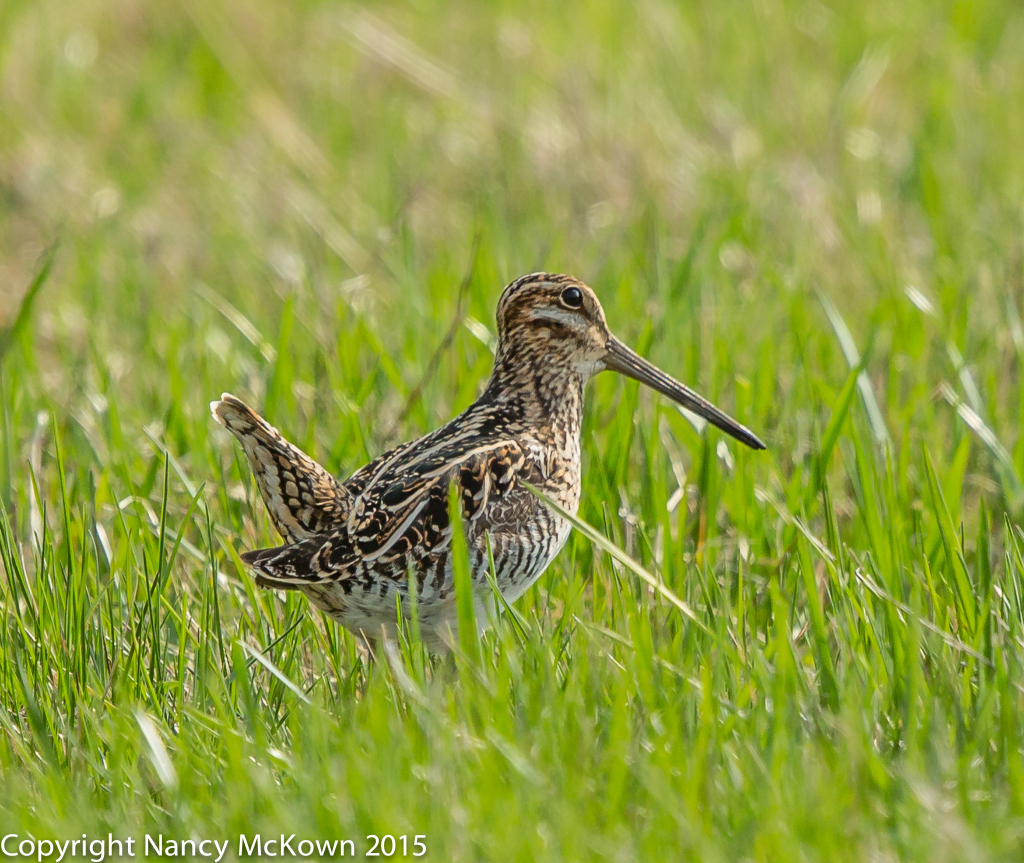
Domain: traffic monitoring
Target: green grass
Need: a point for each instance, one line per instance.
(814, 214)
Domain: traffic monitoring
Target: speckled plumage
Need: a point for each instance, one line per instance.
(352, 546)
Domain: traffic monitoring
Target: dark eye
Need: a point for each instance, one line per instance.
(572, 297)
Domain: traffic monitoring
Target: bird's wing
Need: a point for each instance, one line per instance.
(302, 498)
(400, 517)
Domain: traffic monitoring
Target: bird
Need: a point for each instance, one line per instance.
(357, 548)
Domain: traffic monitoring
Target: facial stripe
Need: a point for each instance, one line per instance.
(553, 313)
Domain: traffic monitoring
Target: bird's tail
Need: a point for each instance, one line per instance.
(302, 498)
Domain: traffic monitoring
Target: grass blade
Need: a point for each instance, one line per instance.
(620, 556)
(12, 332)
(849, 348)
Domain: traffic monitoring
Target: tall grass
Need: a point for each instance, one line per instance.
(812, 213)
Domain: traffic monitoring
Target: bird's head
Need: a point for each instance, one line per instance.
(557, 321)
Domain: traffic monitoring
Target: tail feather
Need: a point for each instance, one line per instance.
(256, 558)
(302, 498)
(287, 567)
(270, 584)
(259, 556)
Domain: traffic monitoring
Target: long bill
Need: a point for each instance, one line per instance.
(629, 363)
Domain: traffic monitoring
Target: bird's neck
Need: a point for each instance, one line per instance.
(543, 391)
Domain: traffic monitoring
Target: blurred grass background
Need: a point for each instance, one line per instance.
(812, 212)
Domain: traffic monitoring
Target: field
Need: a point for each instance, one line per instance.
(812, 213)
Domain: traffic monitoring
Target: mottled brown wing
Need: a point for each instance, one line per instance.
(398, 519)
(302, 498)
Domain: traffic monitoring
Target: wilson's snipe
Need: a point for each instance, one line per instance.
(350, 547)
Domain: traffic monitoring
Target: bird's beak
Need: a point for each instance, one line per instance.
(622, 359)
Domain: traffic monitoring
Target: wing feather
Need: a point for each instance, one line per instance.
(400, 516)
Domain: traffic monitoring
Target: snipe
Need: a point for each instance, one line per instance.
(351, 546)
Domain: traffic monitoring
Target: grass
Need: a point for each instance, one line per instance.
(811, 212)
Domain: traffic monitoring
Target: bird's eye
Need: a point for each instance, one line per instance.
(572, 297)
